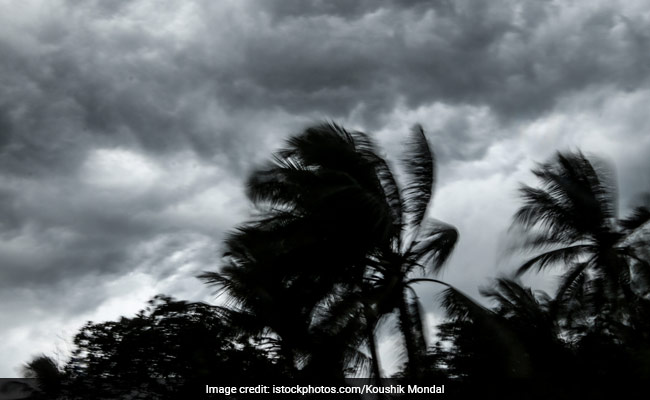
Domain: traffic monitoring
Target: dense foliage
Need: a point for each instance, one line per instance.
(164, 352)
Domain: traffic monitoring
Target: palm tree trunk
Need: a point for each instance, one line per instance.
(372, 344)
(406, 326)
(418, 326)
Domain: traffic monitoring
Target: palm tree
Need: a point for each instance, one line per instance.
(335, 227)
(517, 338)
(571, 221)
(419, 248)
(320, 207)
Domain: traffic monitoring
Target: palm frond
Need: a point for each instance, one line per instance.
(549, 258)
(460, 306)
(433, 245)
(542, 209)
(391, 192)
(536, 240)
(575, 290)
(281, 186)
(568, 280)
(510, 295)
(420, 168)
(639, 217)
(591, 184)
(574, 189)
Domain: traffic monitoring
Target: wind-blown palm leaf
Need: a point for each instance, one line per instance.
(385, 186)
(537, 241)
(509, 295)
(582, 188)
(392, 194)
(549, 258)
(573, 200)
(242, 289)
(524, 308)
(243, 322)
(420, 169)
(329, 147)
(574, 291)
(433, 245)
(542, 209)
(460, 306)
(569, 280)
(639, 217)
(284, 186)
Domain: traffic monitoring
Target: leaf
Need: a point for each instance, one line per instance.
(638, 218)
(561, 255)
(460, 306)
(419, 164)
(570, 278)
(433, 245)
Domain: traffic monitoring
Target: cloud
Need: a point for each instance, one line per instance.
(127, 128)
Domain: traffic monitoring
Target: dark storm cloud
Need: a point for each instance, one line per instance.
(93, 76)
(127, 128)
(90, 76)
(516, 57)
(283, 9)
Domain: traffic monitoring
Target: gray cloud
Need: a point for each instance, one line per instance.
(127, 128)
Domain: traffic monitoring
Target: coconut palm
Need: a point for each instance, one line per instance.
(517, 338)
(320, 208)
(335, 227)
(418, 250)
(571, 221)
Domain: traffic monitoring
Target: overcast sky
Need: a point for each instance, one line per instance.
(127, 128)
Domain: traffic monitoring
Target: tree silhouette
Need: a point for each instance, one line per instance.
(595, 330)
(336, 246)
(170, 350)
(419, 248)
(572, 220)
(335, 232)
(43, 380)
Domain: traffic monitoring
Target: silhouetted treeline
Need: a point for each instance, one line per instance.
(338, 244)
(167, 350)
